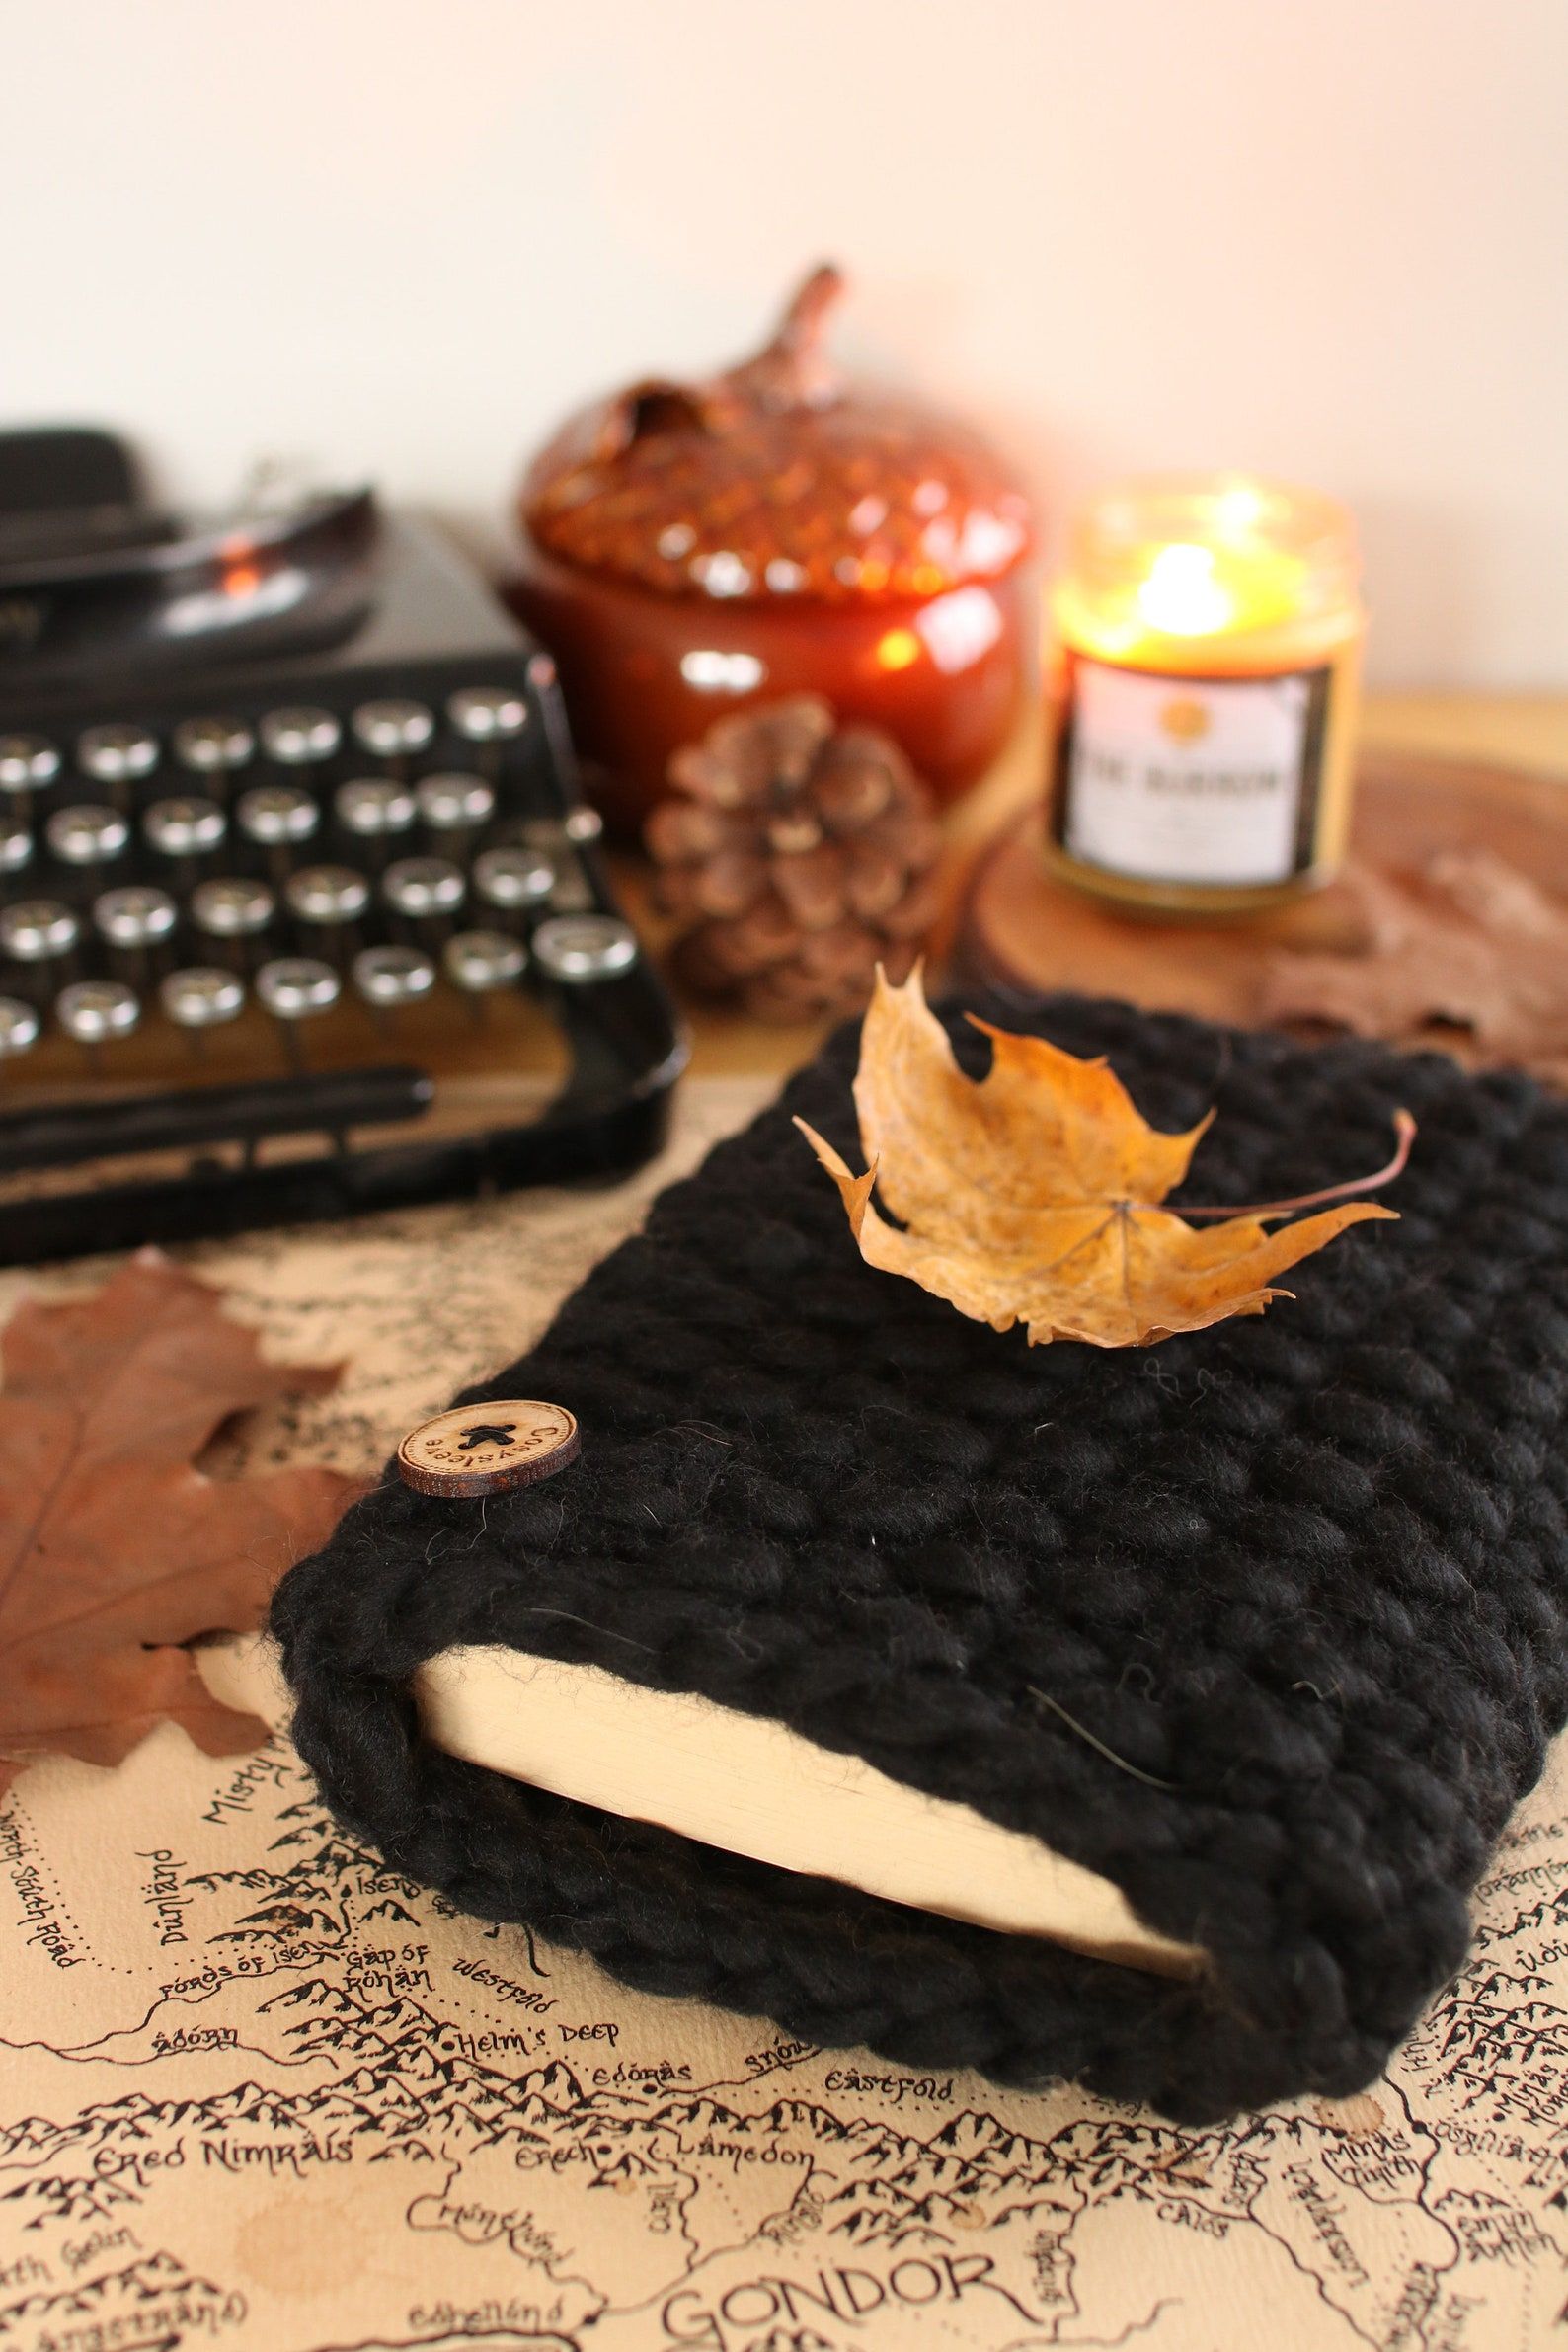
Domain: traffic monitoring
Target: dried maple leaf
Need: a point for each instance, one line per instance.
(114, 1549)
(1466, 943)
(1032, 1195)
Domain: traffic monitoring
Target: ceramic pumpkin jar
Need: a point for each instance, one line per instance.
(690, 548)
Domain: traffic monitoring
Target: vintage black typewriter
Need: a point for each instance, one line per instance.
(301, 910)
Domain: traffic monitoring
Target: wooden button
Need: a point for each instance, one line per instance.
(484, 1448)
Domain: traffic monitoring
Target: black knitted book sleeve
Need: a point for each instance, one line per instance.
(1306, 1574)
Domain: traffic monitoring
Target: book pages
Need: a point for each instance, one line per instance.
(752, 1787)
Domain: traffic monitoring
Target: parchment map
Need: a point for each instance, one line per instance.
(259, 2092)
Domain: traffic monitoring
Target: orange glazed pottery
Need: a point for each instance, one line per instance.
(689, 548)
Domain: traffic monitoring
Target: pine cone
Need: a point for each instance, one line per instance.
(799, 856)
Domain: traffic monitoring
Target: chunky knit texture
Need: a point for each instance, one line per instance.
(1308, 1569)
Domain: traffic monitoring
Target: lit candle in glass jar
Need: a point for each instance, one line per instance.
(1210, 634)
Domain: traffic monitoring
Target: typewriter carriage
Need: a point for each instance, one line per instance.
(302, 933)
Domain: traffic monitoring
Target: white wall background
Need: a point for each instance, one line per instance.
(1327, 238)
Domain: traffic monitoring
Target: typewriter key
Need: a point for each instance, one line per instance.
(374, 808)
(513, 879)
(548, 834)
(487, 714)
(185, 826)
(19, 1026)
(212, 747)
(16, 848)
(575, 948)
(295, 988)
(87, 836)
(232, 909)
(37, 930)
(386, 977)
(116, 754)
(199, 997)
(479, 961)
(418, 887)
(28, 764)
(393, 727)
(292, 987)
(138, 916)
(278, 817)
(97, 1011)
(299, 737)
(454, 804)
(327, 894)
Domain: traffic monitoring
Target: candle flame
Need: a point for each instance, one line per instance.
(1180, 596)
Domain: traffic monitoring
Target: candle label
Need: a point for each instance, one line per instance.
(1190, 779)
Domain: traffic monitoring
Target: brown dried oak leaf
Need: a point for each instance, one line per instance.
(1031, 1195)
(114, 1549)
(1466, 943)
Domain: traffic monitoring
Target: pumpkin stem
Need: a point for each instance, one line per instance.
(793, 370)
(806, 312)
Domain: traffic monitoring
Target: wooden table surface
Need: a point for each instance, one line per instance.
(1526, 730)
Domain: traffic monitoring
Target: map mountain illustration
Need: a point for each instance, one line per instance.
(331, 1887)
(155, 2302)
(552, 2148)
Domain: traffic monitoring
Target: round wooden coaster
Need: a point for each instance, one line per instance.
(487, 1449)
(1023, 929)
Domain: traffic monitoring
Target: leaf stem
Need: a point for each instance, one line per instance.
(1404, 1129)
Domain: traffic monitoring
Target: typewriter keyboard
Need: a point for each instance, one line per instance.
(292, 961)
(302, 881)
